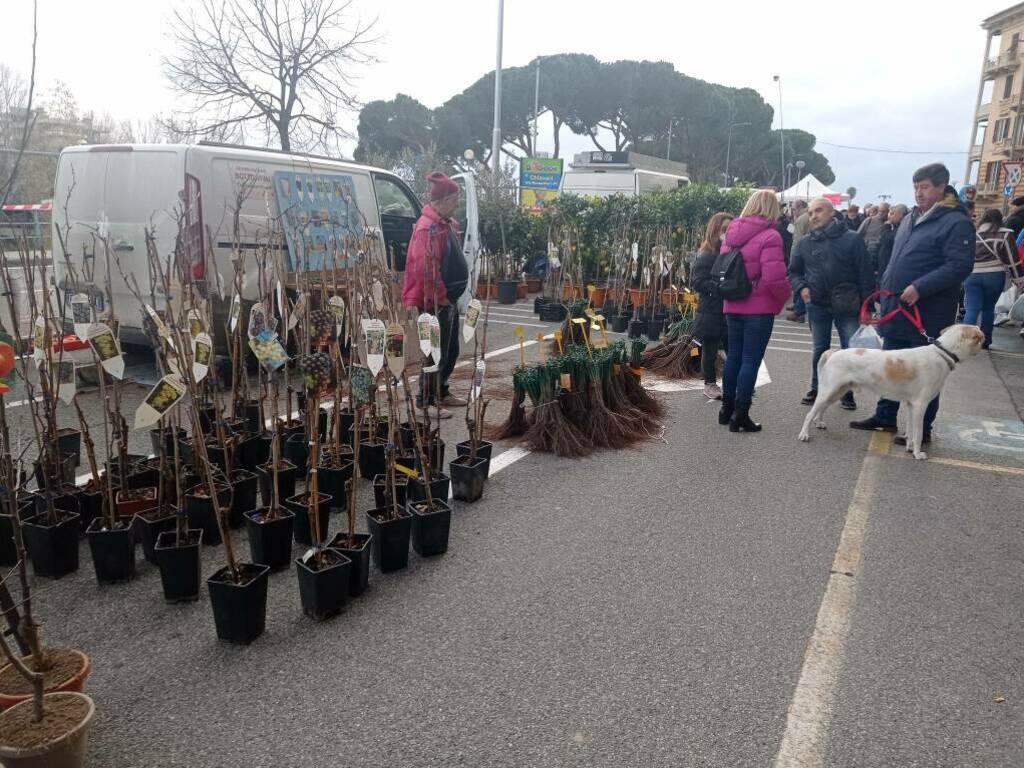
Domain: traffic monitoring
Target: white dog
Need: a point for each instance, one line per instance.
(912, 376)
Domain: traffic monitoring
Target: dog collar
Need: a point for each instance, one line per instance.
(950, 359)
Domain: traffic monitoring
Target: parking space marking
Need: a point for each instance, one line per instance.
(810, 711)
(980, 466)
(790, 349)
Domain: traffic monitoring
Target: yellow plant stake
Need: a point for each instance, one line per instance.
(543, 353)
(558, 341)
(520, 334)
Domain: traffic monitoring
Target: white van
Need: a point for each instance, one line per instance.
(123, 190)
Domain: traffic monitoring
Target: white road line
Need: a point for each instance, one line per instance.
(515, 322)
(810, 711)
(508, 458)
(17, 403)
(789, 349)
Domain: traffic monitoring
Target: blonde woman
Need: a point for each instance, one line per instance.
(750, 320)
(709, 328)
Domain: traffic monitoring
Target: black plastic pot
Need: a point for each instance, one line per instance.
(287, 474)
(383, 430)
(322, 423)
(389, 544)
(252, 450)
(149, 525)
(180, 566)
(90, 506)
(299, 507)
(468, 477)
(507, 290)
(637, 328)
(609, 310)
(430, 527)
(69, 441)
(293, 427)
(372, 458)
(142, 476)
(553, 312)
(217, 455)
(407, 434)
(654, 328)
(251, 414)
(243, 497)
(8, 552)
(168, 441)
(483, 451)
(323, 590)
(440, 483)
(345, 420)
(201, 513)
(380, 489)
(113, 552)
(620, 323)
(296, 450)
(270, 541)
(207, 416)
(239, 610)
(435, 453)
(538, 303)
(66, 471)
(358, 552)
(332, 479)
(53, 549)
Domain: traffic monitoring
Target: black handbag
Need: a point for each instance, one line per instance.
(844, 299)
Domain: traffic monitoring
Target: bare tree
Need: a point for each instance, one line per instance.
(284, 64)
(7, 184)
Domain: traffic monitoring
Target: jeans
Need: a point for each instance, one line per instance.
(433, 383)
(981, 292)
(886, 410)
(799, 307)
(709, 355)
(821, 320)
(748, 339)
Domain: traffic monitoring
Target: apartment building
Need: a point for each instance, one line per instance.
(996, 153)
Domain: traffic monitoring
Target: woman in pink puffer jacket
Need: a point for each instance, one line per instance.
(750, 320)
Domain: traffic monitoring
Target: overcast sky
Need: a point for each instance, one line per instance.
(892, 76)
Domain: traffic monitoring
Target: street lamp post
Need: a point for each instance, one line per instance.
(536, 106)
(496, 138)
(782, 133)
(668, 151)
(728, 152)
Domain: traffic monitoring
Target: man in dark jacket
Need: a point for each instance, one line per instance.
(931, 257)
(896, 214)
(832, 272)
(1015, 220)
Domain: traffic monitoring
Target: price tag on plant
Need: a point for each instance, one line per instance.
(377, 292)
(423, 332)
(394, 349)
(66, 385)
(478, 378)
(104, 344)
(336, 304)
(81, 314)
(161, 398)
(374, 332)
(298, 311)
(472, 318)
(257, 320)
(235, 313)
(39, 339)
(195, 322)
(202, 352)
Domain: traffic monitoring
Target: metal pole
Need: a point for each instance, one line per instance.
(668, 152)
(782, 136)
(496, 138)
(536, 107)
(728, 152)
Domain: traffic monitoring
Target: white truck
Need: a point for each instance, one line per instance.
(123, 190)
(603, 174)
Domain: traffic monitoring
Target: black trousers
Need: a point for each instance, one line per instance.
(434, 385)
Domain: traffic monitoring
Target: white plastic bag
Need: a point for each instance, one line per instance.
(1017, 310)
(866, 337)
(1006, 299)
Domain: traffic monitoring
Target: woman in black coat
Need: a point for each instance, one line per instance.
(709, 328)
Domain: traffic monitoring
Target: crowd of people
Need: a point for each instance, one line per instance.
(826, 263)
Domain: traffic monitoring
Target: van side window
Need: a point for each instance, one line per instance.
(392, 200)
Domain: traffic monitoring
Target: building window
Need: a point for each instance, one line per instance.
(979, 132)
(1008, 86)
(992, 169)
(1001, 130)
(972, 173)
(986, 91)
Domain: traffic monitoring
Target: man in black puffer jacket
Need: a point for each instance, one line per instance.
(833, 273)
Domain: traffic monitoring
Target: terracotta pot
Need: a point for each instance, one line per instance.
(638, 296)
(571, 292)
(66, 747)
(75, 683)
(487, 291)
(670, 297)
(598, 293)
(521, 291)
(533, 284)
(142, 499)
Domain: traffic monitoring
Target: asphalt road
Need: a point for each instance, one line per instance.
(658, 607)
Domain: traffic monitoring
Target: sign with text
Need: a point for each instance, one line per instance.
(318, 212)
(539, 179)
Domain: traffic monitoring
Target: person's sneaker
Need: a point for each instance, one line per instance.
(809, 398)
(712, 391)
(871, 424)
(452, 401)
(848, 403)
(795, 317)
(986, 345)
(902, 440)
(440, 413)
(789, 307)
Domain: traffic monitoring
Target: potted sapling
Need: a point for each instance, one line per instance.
(469, 469)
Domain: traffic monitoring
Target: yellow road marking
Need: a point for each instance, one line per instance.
(964, 464)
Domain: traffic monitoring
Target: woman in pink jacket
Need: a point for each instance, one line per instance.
(750, 320)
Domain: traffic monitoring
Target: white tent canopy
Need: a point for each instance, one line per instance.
(809, 187)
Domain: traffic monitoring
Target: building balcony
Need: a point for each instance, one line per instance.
(975, 151)
(983, 111)
(1007, 61)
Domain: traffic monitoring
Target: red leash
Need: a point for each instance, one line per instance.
(913, 315)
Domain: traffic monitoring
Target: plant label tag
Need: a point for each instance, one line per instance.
(66, 384)
(566, 382)
(298, 311)
(195, 322)
(39, 339)
(257, 320)
(377, 293)
(105, 345)
(394, 349)
(478, 378)
(161, 398)
(162, 331)
(308, 554)
(268, 350)
(435, 338)
(423, 331)
(362, 385)
(202, 351)
(81, 314)
(235, 313)
(336, 304)
(472, 318)
(281, 306)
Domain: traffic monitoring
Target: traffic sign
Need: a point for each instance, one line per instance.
(1008, 190)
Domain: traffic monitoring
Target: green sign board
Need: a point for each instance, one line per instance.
(539, 179)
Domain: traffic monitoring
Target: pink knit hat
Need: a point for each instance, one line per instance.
(441, 186)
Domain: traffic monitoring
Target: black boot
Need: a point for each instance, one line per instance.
(725, 412)
(740, 421)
